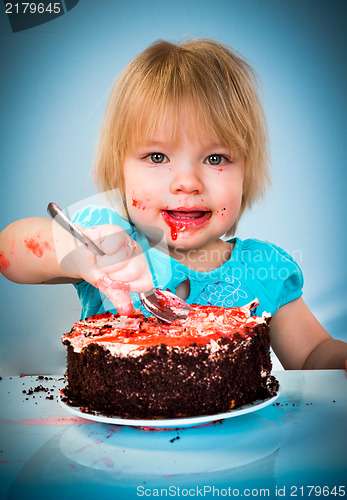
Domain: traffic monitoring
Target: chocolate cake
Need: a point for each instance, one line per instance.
(140, 367)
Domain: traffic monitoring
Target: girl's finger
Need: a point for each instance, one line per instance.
(116, 291)
(111, 239)
(107, 285)
(116, 261)
(121, 300)
(132, 270)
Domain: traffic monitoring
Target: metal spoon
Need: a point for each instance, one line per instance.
(161, 303)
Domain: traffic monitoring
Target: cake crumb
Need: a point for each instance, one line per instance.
(174, 439)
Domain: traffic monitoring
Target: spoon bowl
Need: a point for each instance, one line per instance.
(165, 305)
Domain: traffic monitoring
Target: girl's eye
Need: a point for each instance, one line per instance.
(217, 160)
(157, 158)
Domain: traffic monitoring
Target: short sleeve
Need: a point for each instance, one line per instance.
(291, 275)
(272, 273)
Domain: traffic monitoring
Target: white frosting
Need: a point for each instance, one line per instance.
(119, 349)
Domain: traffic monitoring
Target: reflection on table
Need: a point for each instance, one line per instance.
(281, 450)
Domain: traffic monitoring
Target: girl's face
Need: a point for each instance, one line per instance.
(190, 188)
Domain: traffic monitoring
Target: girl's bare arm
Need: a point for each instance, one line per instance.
(37, 250)
(300, 341)
(28, 253)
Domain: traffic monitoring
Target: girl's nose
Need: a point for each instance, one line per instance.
(186, 180)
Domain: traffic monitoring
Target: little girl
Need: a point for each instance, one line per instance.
(184, 142)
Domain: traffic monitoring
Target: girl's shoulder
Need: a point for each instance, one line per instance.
(269, 268)
(259, 252)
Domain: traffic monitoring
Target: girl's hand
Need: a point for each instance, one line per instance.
(121, 270)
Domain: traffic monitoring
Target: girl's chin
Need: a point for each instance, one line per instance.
(183, 237)
(180, 237)
(185, 241)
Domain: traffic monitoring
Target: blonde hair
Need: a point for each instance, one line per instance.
(219, 85)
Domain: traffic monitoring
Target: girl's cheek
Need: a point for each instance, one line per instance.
(141, 202)
(223, 213)
(140, 208)
(226, 217)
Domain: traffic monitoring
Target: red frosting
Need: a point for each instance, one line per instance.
(37, 247)
(203, 324)
(4, 262)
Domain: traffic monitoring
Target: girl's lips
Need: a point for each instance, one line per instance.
(186, 217)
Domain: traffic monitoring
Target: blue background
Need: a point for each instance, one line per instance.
(55, 81)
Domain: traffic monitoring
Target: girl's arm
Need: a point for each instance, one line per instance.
(28, 253)
(300, 341)
(37, 250)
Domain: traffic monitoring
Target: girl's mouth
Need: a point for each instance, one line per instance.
(186, 218)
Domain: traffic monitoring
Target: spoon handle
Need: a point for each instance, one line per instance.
(58, 215)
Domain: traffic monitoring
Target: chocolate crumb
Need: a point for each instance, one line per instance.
(174, 439)
(40, 388)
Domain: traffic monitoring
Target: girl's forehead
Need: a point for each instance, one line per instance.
(173, 124)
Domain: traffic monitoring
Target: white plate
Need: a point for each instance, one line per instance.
(172, 422)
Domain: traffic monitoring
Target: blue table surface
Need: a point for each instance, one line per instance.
(295, 447)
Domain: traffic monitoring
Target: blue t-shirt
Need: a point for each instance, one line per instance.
(255, 269)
